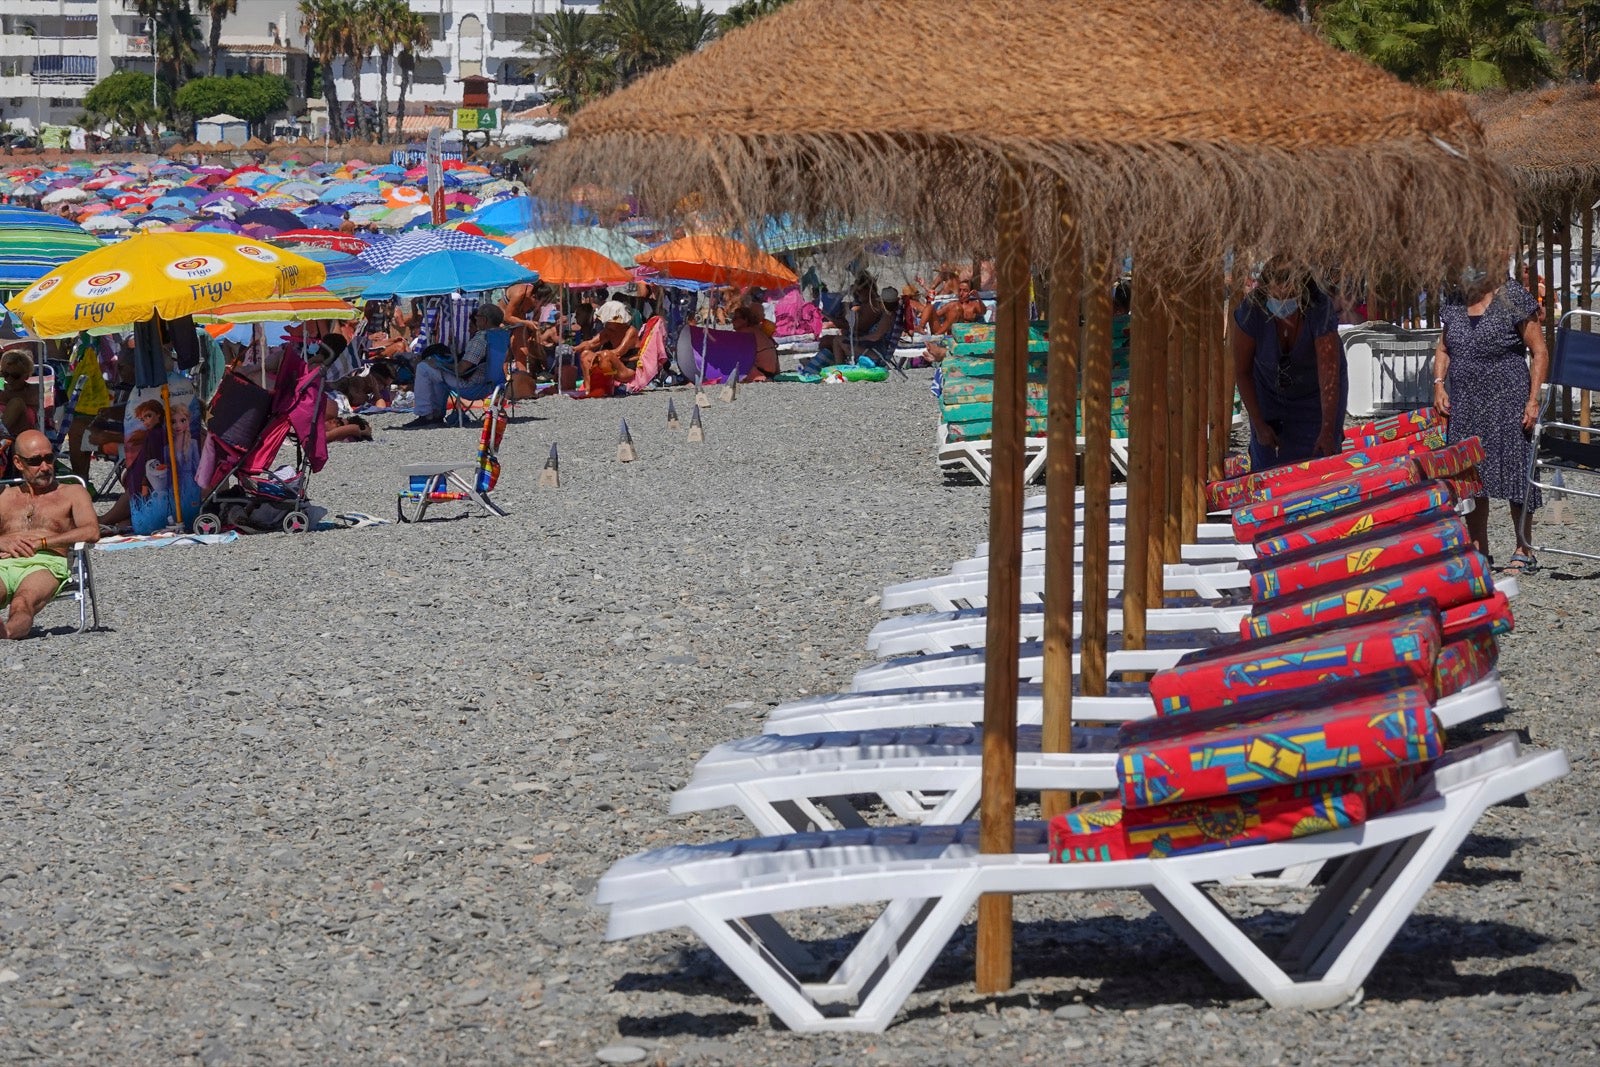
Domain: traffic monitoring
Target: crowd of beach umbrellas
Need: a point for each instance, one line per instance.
(370, 226)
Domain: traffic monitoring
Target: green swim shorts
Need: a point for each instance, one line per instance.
(12, 571)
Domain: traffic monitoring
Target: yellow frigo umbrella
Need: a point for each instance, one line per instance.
(166, 275)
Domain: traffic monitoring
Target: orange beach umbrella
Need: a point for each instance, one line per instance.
(718, 261)
(571, 265)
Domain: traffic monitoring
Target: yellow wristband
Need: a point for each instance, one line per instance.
(43, 541)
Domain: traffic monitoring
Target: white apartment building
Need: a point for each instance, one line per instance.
(53, 51)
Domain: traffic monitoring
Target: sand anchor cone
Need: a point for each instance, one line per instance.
(672, 415)
(700, 398)
(550, 477)
(730, 391)
(625, 449)
(697, 429)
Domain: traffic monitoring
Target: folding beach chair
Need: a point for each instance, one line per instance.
(927, 878)
(79, 587)
(460, 401)
(1558, 447)
(428, 484)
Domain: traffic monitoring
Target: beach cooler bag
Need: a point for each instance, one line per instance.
(1387, 429)
(1390, 547)
(1493, 612)
(1429, 499)
(1105, 831)
(1212, 677)
(1460, 576)
(1389, 729)
(1266, 517)
(1294, 477)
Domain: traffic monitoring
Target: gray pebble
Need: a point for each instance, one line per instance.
(620, 1054)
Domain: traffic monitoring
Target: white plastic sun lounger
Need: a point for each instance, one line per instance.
(974, 457)
(946, 592)
(943, 631)
(965, 666)
(787, 780)
(928, 879)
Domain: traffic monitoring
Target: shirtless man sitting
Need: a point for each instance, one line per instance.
(39, 520)
(966, 307)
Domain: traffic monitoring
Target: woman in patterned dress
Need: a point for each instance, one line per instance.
(1485, 388)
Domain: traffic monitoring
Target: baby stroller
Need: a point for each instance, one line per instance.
(248, 426)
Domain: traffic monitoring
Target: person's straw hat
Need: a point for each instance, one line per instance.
(613, 311)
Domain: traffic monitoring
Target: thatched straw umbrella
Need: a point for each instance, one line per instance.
(1179, 131)
(1546, 139)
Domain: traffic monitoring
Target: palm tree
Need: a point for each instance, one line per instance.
(1468, 45)
(746, 12)
(319, 25)
(177, 30)
(696, 27)
(1580, 39)
(411, 36)
(643, 34)
(569, 51)
(386, 16)
(218, 10)
(355, 37)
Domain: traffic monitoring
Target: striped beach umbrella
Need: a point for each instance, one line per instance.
(34, 243)
(302, 305)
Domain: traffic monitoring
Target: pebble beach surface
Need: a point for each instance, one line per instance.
(343, 797)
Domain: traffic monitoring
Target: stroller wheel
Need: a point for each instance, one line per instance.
(208, 523)
(296, 522)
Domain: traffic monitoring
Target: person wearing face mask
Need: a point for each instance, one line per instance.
(1289, 367)
(1488, 368)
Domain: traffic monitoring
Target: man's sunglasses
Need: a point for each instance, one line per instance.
(36, 461)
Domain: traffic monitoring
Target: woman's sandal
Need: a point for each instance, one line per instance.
(1522, 563)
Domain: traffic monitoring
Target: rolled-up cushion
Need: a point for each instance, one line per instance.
(1493, 612)
(1452, 461)
(1295, 477)
(1388, 729)
(1430, 499)
(1387, 429)
(1253, 521)
(1104, 831)
(1209, 678)
(1410, 543)
(1460, 576)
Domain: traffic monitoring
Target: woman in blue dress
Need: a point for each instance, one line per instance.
(1289, 368)
(1488, 368)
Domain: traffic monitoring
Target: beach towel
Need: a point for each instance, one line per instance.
(652, 354)
(794, 315)
(115, 544)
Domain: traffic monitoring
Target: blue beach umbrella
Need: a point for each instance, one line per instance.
(449, 271)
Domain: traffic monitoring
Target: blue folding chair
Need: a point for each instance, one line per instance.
(459, 400)
(1560, 447)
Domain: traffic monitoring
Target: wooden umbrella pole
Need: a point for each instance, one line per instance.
(998, 803)
(1227, 387)
(1216, 374)
(1157, 502)
(1060, 504)
(1586, 270)
(1556, 294)
(1175, 449)
(1192, 450)
(1096, 475)
(1143, 340)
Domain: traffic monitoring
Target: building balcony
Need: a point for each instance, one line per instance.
(19, 45)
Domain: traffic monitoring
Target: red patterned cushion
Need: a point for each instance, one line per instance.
(1295, 477)
(1451, 461)
(1389, 729)
(1411, 543)
(1457, 577)
(1465, 661)
(1104, 831)
(1267, 517)
(1493, 612)
(1428, 499)
(1401, 425)
(1212, 677)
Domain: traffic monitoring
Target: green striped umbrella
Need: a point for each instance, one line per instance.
(34, 243)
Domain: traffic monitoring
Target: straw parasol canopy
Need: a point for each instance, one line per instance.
(1180, 130)
(1546, 139)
